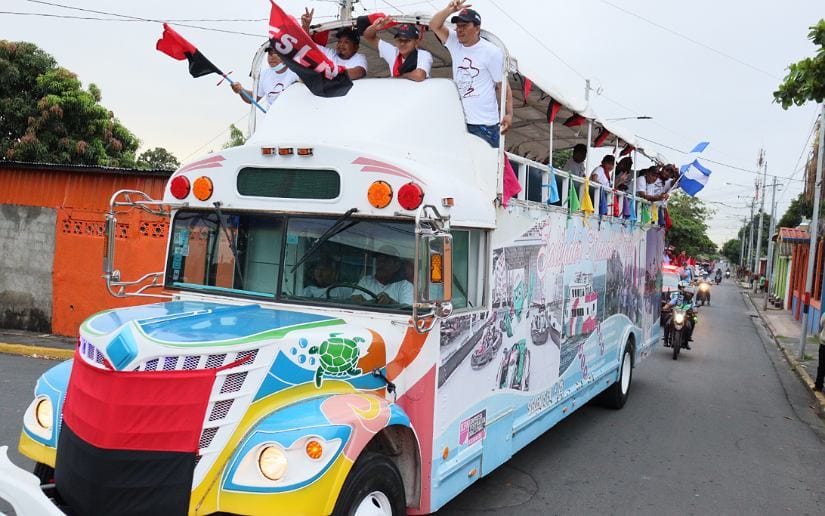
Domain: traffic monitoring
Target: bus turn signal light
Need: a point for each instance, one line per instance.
(314, 450)
(410, 196)
(202, 188)
(285, 151)
(305, 151)
(379, 194)
(436, 268)
(179, 187)
(268, 151)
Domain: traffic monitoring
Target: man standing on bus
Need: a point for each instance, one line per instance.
(404, 58)
(478, 67)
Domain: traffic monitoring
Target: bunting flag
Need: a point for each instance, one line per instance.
(301, 55)
(668, 222)
(654, 214)
(661, 217)
(617, 207)
(626, 207)
(552, 110)
(528, 86)
(587, 202)
(511, 185)
(645, 213)
(575, 121)
(633, 211)
(627, 150)
(601, 137)
(175, 46)
(602, 202)
(553, 194)
(572, 197)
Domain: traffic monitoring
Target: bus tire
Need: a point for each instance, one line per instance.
(44, 473)
(373, 483)
(615, 396)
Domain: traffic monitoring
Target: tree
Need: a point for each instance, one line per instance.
(731, 250)
(806, 79)
(46, 116)
(798, 209)
(235, 137)
(689, 231)
(560, 158)
(158, 159)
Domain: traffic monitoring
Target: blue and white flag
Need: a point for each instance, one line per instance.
(694, 175)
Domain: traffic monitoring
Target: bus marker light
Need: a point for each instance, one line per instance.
(448, 202)
(202, 188)
(285, 151)
(268, 151)
(472, 472)
(379, 194)
(410, 196)
(314, 449)
(305, 151)
(445, 453)
(436, 268)
(179, 187)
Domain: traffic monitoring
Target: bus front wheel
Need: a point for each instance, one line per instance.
(616, 395)
(373, 487)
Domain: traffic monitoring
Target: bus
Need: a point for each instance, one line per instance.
(272, 378)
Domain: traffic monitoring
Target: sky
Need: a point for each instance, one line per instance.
(703, 70)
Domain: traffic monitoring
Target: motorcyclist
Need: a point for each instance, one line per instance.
(681, 297)
(718, 276)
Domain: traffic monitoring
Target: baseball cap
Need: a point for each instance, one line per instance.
(407, 31)
(467, 15)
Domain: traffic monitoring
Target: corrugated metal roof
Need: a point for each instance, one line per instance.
(794, 235)
(22, 165)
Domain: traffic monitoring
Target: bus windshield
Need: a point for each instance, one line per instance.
(315, 260)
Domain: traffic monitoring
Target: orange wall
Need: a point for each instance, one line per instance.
(81, 197)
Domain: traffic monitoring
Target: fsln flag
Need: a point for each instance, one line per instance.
(175, 46)
(694, 177)
(300, 54)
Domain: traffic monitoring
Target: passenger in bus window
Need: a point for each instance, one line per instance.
(624, 173)
(405, 59)
(325, 274)
(478, 68)
(387, 281)
(601, 174)
(346, 48)
(668, 178)
(274, 79)
(575, 165)
(646, 185)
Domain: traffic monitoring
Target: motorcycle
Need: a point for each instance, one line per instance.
(718, 279)
(703, 293)
(678, 328)
(727, 274)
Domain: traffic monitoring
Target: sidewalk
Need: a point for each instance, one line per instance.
(38, 345)
(786, 332)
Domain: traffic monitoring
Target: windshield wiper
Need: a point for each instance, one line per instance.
(231, 242)
(333, 230)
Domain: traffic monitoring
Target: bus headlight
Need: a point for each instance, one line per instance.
(44, 413)
(272, 462)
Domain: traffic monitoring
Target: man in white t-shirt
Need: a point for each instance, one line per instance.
(404, 58)
(385, 282)
(646, 187)
(274, 79)
(478, 69)
(346, 48)
(601, 174)
(575, 165)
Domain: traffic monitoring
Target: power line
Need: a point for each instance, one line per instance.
(804, 146)
(236, 122)
(691, 40)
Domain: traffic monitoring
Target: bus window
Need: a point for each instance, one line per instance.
(469, 267)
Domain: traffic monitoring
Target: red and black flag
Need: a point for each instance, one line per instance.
(300, 54)
(364, 21)
(575, 121)
(175, 46)
(553, 109)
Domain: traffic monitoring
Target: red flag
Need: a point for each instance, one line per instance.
(552, 110)
(175, 46)
(627, 150)
(575, 121)
(599, 141)
(528, 86)
(301, 55)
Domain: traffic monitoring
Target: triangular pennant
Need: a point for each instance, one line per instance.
(587, 202)
(645, 213)
(654, 214)
(553, 195)
(572, 198)
(632, 210)
(617, 207)
(602, 202)
(552, 110)
(626, 207)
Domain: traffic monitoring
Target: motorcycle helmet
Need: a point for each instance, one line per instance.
(683, 284)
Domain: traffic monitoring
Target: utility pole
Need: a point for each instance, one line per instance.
(814, 230)
(757, 260)
(769, 269)
(345, 11)
(742, 243)
(750, 239)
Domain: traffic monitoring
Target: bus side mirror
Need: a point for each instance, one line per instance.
(109, 248)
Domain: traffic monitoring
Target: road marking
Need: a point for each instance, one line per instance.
(36, 351)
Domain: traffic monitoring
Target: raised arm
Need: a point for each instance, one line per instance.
(438, 19)
(371, 33)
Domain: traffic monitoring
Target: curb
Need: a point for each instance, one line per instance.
(796, 367)
(36, 351)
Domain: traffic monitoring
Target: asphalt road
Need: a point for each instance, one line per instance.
(726, 429)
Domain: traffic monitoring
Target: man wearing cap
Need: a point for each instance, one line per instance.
(274, 79)
(346, 48)
(385, 282)
(478, 69)
(405, 59)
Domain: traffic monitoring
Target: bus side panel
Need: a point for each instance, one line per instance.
(567, 295)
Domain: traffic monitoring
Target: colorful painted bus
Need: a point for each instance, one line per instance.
(275, 379)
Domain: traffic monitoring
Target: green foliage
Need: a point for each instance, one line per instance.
(798, 209)
(806, 79)
(731, 250)
(560, 157)
(689, 231)
(158, 159)
(744, 232)
(46, 116)
(236, 138)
